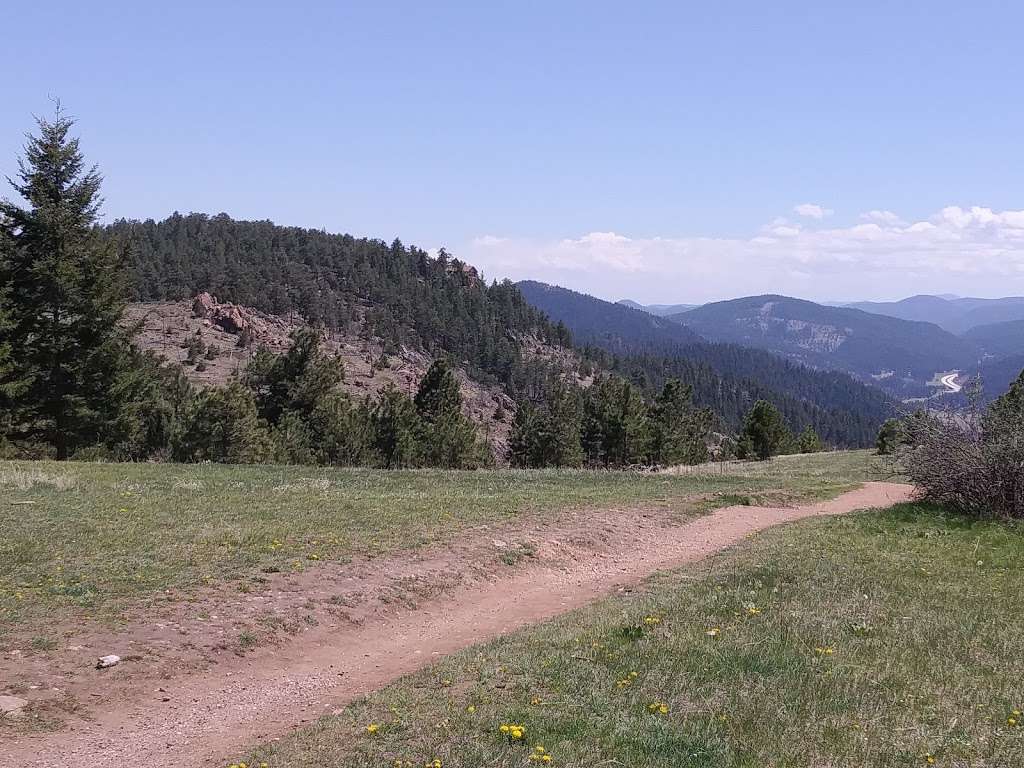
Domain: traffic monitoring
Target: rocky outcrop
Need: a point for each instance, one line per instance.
(229, 317)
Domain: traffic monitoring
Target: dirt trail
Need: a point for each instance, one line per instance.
(204, 718)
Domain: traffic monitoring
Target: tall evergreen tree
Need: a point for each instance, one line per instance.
(12, 383)
(447, 438)
(888, 437)
(530, 430)
(548, 435)
(763, 431)
(296, 381)
(679, 431)
(223, 425)
(64, 298)
(614, 423)
(809, 442)
(396, 426)
(565, 420)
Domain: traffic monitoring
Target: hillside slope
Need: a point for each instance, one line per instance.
(229, 335)
(999, 339)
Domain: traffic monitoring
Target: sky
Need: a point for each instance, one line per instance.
(665, 152)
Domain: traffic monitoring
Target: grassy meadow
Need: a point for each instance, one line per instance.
(887, 638)
(97, 540)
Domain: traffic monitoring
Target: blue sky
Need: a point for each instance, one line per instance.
(657, 150)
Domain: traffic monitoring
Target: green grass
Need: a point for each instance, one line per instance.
(879, 639)
(97, 540)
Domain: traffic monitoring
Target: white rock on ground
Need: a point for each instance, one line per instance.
(11, 706)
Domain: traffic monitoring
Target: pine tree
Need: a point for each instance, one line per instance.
(396, 427)
(763, 431)
(296, 381)
(64, 298)
(888, 437)
(565, 417)
(809, 442)
(223, 425)
(679, 431)
(447, 438)
(12, 382)
(614, 423)
(528, 427)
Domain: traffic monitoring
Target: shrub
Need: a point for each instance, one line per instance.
(973, 463)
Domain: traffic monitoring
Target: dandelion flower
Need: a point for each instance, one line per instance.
(372, 728)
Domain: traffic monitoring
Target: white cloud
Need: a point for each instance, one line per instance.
(957, 249)
(487, 240)
(882, 217)
(812, 211)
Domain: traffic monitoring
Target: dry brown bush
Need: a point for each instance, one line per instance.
(972, 462)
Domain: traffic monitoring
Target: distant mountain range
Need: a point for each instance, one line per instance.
(661, 310)
(898, 346)
(954, 314)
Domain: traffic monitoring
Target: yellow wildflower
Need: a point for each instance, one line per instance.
(372, 728)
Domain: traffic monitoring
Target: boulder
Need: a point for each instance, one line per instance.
(11, 706)
(204, 304)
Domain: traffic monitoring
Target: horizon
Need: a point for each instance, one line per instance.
(726, 152)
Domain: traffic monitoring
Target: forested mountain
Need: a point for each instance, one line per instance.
(999, 339)
(998, 375)
(615, 327)
(954, 314)
(725, 377)
(394, 292)
(832, 337)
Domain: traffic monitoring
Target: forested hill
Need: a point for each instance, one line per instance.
(726, 377)
(395, 292)
(618, 328)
